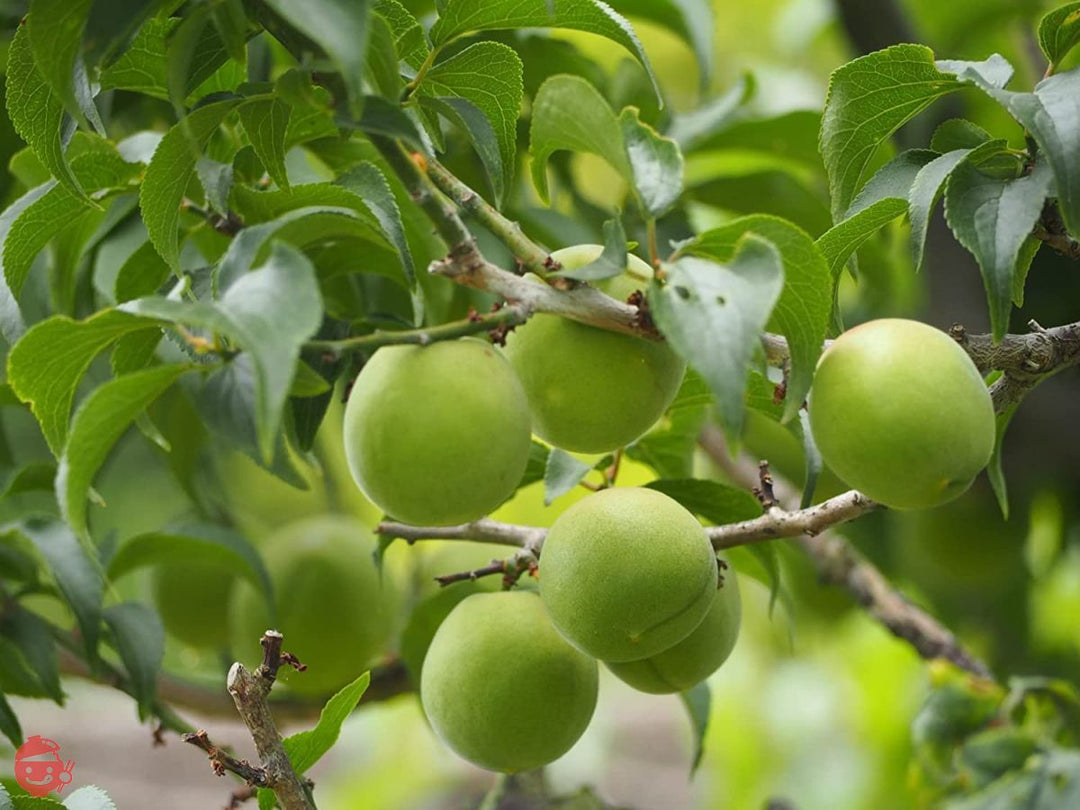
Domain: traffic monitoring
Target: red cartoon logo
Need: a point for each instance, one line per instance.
(39, 769)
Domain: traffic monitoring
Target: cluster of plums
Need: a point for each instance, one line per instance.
(440, 435)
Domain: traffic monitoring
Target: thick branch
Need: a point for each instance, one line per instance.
(250, 691)
(484, 530)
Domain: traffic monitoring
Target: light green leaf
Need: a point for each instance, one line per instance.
(89, 797)
(992, 218)
(141, 274)
(869, 99)
(1059, 32)
(610, 263)
(803, 311)
(12, 324)
(230, 19)
(569, 113)
(713, 315)
(99, 422)
(308, 382)
(691, 128)
(266, 122)
(488, 75)
(36, 114)
(169, 173)
(994, 72)
(692, 20)
(270, 313)
(305, 748)
(45, 366)
(409, 37)
(139, 638)
(562, 473)
(923, 197)
(340, 27)
(655, 162)
(56, 28)
(994, 470)
(698, 703)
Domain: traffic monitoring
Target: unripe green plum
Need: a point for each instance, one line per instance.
(192, 598)
(900, 412)
(437, 435)
(591, 390)
(627, 573)
(697, 656)
(334, 610)
(502, 688)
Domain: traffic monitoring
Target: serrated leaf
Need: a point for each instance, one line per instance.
(562, 473)
(1059, 32)
(994, 71)
(36, 114)
(45, 366)
(698, 703)
(460, 17)
(869, 99)
(923, 197)
(31, 635)
(610, 263)
(656, 164)
(169, 173)
(839, 243)
(89, 797)
(369, 183)
(305, 748)
(802, 313)
(99, 422)
(992, 218)
(77, 574)
(270, 313)
(569, 113)
(10, 728)
(266, 121)
(55, 28)
(144, 65)
(340, 28)
(465, 115)
(958, 133)
(12, 324)
(383, 64)
(139, 639)
(489, 75)
(713, 315)
(409, 37)
(231, 22)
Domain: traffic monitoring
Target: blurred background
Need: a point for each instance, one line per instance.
(816, 703)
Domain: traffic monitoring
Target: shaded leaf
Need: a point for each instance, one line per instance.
(139, 638)
(266, 122)
(10, 728)
(610, 263)
(369, 183)
(32, 636)
(1059, 32)
(656, 164)
(698, 703)
(562, 473)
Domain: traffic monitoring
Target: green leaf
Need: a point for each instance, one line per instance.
(992, 218)
(923, 196)
(231, 22)
(265, 122)
(308, 382)
(12, 324)
(656, 164)
(569, 113)
(467, 117)
(139, 638)
(169, 173)
(55, 28)
(89, 797)
(802, 313)
(691, 128)
(1059, 33)
(409, 37)
(717, 503)
(32, 636)
(698, 703)
(141, 274)
(78, 575)
(99, 422)
(993, 72)
(45, 366)
(489, 76)
(10, 728)
(339, 27)
(144, 66)
(36, 114)
(839, 243)
(537, 465)
(562, 473)
(270, 313)
(958, 133)
(692, 20)
(1051, 781)
(610, 263)
(459, 17)
(713, 314)
(383, 65)
(305, 748)
(369, 183)
(869, 99)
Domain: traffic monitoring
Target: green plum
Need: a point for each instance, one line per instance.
(437, 435)
(627, 573)
(900, 412)
(502, 688)
(335, 611)
(192, 598)
(697, 656)
(591, 390)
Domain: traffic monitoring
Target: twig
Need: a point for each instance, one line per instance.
(511, 569)
(222, 761)
(1051, 228)
(250, 691)
(505, 317)
(777, 522)
(530, 255)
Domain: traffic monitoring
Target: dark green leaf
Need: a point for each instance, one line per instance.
(265, 122)
(139, 638)
(537, 466)
(655, 163)
(802, 313)
(992, 218)
(1051, 781)
(56, 28)
(958, 133)
(869, 98)
(144, 66)
(1059, 32)
(698, 703)
(308, 383)
(717, 503)
(169, 173)
(32, 636)
(669, 448)
(339, 27)
(562, 473)
(369, 183)
(141, 274)
(99, 422)
(383, 65)
(305, 748)
(923, 197)
(231, 22)
(9, 727)
(36, 114)
(409, 37)
(460, 17)
(839, 243)
(713, 314)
